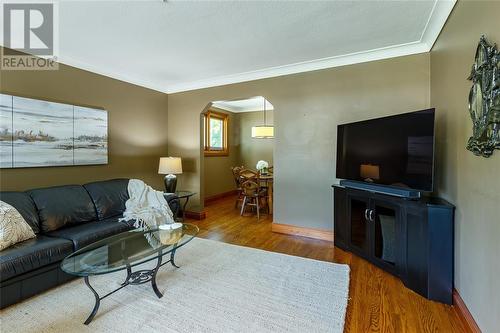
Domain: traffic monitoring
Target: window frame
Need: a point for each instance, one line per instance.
(225, 145)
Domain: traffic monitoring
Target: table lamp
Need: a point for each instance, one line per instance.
(170, 166)
(369, 172)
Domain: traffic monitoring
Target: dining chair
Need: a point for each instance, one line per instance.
(249, 174)
(252, 196)
(237, 180)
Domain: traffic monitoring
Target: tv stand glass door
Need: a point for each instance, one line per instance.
(359, 231)
(374, 229)
(384, 218)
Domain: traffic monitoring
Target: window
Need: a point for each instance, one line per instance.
(215, 134)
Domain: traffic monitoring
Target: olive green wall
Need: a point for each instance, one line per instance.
(218, 176)
(253, 150)
(307, 109)
(137, 120)
(472, 183)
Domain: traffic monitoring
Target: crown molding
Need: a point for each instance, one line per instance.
(307, 66)
(434, 25)
(439, 15)
(68, 61)
(235, 108)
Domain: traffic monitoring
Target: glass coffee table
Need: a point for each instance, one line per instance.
(125, 251)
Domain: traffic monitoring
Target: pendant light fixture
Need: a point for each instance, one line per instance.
(263, 131)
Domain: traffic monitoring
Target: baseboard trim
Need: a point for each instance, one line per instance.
(195, 215)
(220, 196)
(464, 313)
(301, 231)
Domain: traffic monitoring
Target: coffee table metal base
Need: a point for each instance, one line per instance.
(138, 277)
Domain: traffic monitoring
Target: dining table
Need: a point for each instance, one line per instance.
(268, 179)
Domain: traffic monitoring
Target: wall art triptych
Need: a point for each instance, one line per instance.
(37, 133)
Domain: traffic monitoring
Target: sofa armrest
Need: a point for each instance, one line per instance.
(173, 202)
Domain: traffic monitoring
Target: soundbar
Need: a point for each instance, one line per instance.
(388, 190)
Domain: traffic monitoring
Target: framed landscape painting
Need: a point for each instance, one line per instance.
(37, 133)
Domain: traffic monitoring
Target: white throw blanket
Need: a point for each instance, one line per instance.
(146, 206)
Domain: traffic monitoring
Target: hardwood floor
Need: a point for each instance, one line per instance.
(378, 301)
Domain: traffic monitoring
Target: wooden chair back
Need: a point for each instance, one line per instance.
(236, 175)
(251, 188)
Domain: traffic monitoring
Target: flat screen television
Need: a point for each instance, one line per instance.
(392, 151)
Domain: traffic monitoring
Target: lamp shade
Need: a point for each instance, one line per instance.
(170, 165)
(262, 132)
(369, 171)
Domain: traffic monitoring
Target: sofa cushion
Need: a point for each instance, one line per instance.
(61, 206)
(109, 196)
(85, 234)
(13, 228)
(32, 254)
(25, 206)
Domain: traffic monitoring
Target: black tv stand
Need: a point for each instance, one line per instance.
(382, 189)
(411, 239)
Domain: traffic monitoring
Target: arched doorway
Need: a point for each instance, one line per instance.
(227, 139)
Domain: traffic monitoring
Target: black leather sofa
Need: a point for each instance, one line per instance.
(64, 219)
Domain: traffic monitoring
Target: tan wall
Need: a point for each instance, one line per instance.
(472, 183)
(308, 107)
(253, 150)
(218, 176)
(137, 120)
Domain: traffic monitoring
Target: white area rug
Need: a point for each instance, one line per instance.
(219, 288)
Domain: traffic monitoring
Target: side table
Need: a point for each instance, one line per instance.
(184, 195)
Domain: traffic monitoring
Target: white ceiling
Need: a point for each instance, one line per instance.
(244, 105)
(183, 45)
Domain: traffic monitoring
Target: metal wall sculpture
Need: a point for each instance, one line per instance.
(484, 100)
